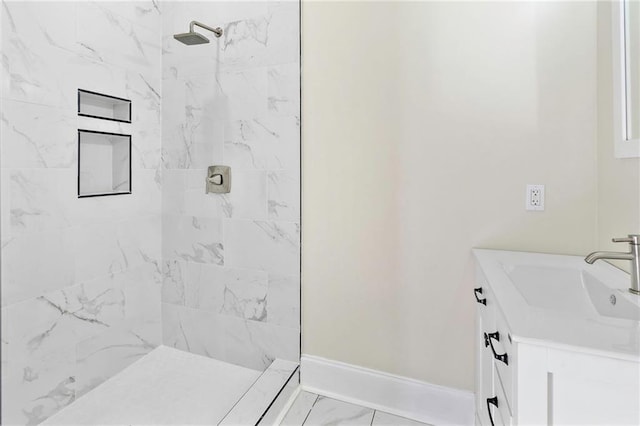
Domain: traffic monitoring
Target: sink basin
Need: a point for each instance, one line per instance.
(563, 301)
(572, 291)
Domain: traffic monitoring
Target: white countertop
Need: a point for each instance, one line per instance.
(584, 332)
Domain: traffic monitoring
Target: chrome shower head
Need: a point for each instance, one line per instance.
(193, 37)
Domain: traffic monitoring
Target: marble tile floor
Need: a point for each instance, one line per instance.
(310, 409)
(167, 386)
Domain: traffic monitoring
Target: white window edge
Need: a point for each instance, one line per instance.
(623, 148)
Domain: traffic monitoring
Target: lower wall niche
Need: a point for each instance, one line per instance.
(104, 163)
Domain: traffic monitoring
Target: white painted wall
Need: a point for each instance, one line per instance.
(422, 124)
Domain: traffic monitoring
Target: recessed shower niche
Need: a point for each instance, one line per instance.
(104, 163)
(106, 107)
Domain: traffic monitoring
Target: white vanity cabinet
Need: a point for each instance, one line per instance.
(524, 379)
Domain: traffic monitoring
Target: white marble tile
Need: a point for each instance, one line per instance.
(192, 134)
(244, 300)
(38, 389)
(382, 418)
(173, 189)
(42, 23)
(231, 102)
(196, 239)
(245, 92)
(37, 39)
(145, 200)
(141, 288)
(196, 201)
(268, 246)
(39, 200)
(283, 300)
(128, 45)
(264, 40)
(300, 409)
(55, 321)
(141, 240)
(174, 278)
(97, 76)
(37, 136)
(145, 13)
(41, 350)
(36, 263)
(271, 142)
(255, 344)
(181, 61)
(328, 411)
(253, 404)
(73, 269)
(193, 330)
(235, 292)
(5, 206)
(147, 192)
(284, 34)
(204, 99)
(205, 113)
(173, 118)
(102, 356)
(98, 251)
(248, 196)
(292, 6)
(4, 352)
(284, 89)
(284, 195)
(46, 330)
(165, 387)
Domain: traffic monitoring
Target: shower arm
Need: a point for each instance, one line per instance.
(216, 31)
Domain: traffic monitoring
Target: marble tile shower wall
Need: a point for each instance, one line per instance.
(81, 278)
(231, 262)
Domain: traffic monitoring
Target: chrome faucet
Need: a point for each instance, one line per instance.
(633, 255)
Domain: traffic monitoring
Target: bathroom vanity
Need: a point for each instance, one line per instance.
(558, 341)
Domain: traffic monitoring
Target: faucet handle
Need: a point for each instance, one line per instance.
(632, 239)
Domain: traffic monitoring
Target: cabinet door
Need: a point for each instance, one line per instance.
(596, 390)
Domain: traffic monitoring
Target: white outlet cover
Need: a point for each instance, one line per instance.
(535, 198)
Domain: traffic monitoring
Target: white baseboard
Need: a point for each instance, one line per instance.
(413, 399)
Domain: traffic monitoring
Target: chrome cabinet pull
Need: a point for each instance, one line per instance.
(477, 291)
(491, 401)
(487, 342)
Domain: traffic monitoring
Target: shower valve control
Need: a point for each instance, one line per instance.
(218, 180)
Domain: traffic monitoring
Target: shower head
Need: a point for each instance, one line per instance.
(193, 37)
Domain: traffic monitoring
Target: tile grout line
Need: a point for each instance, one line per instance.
(310, 409)
(278, 394)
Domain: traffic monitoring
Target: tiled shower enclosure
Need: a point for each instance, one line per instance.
(90, 285)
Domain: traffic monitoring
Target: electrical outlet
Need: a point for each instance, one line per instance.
(535, 197)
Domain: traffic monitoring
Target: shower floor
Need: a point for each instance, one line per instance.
(167, 386)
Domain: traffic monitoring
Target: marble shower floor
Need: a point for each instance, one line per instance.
(167, 386)
(310, 409)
